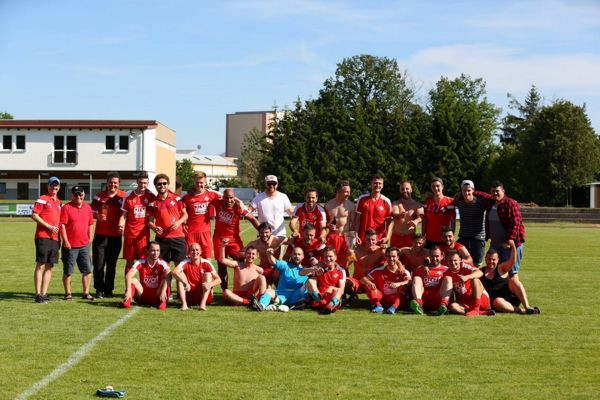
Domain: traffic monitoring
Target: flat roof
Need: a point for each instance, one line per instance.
(78, 123)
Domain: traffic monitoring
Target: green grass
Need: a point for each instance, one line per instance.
(229, 352)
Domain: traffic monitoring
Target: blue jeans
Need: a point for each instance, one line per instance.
(476, 248)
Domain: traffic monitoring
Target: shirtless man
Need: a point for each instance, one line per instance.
(415, 256)
(340, 220)
(247, 277)
(407, 214)
(264, 242)
(368, 256)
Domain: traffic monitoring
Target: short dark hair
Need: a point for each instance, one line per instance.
(451, 253)
(435, 247)
(150, 243)
(418, 236)
(309, 190)
(340, 185)
(491, 252)
(496, 184)
(390, 249)
(264, 226)
(161, 176)
(376, 177)
(446, 229)
(113, 174)
(308, 227)
(370, 232)
(142, 175)
(330, 248)
(436, 179)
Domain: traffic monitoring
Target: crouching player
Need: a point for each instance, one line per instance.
(291, 288)
(151, 289)
(388, 286)
(426, 283)
(195, 278)
(247, 277)
(326, 288)
(462, 278)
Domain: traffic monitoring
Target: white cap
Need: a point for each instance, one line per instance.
(467, 183)
(271, 178)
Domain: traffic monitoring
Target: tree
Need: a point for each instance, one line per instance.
(5, 115)
(559, 151)
(229, 183)
(463, 122)
(254, 148)
(184, 170)
(515, 126)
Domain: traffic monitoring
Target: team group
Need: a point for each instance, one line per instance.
(394, 265)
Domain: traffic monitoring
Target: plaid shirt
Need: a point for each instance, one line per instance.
(509, 214)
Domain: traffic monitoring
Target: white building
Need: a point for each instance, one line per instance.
(215, 167)
(80, 152)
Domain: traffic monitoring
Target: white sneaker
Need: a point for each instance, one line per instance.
(283, 308)
(271, 307)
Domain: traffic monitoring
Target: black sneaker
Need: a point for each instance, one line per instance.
(39, 299)
(99, 294)
(47, 298)
(108, 294)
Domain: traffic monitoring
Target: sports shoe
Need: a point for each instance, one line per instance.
(532, 310)
(416, 307)
(442, 309)
(377, 309)
(162, 305)
(472, 313)
(271, 307)
(283, 308)
(391, 310)
(108, 294)
(489, 313)
(99, 294)
(47, 297)
(125, 303)
(329, 309)
(39, 299)
(277, 301)
(255, 305)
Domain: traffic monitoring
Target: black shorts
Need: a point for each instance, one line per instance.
(46, 251)
(173, 249)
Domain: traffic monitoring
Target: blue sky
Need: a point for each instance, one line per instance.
(188, 63)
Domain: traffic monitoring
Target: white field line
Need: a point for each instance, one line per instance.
(75, 357)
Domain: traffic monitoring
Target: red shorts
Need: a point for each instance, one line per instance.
(357, 287)
(431, 299)
(203, 239)
(233, 248)
(401, 240)
(268, 274)
(338, 242)
(149, 296)
(244, 294)
(194, 296)
(134, 248)
(468, 301)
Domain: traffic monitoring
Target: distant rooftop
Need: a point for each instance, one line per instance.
(79, 123)
(208, 159)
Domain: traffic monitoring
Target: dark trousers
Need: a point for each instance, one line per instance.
(105, 252)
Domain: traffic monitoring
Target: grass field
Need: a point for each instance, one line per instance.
(232, 353)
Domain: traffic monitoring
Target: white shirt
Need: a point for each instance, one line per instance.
(272, 210)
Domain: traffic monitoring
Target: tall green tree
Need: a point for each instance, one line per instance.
(463, 123)
(514, 126)
(559, 151)
(184, 171)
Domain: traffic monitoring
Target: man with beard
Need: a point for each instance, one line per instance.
(309, 212)
(312, 248)
(265, 242)
(427, 281)
(407, 214)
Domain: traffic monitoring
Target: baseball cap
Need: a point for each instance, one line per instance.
(271, 178)
(467, 183)
(53, 180)
(77, 189)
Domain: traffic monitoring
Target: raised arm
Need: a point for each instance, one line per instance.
(507, 265)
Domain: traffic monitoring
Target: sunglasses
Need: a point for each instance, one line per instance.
(271, 183)
(161, 184)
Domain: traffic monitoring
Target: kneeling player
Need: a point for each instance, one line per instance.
(327, 287)
(151, 289)
(426, 282)
(247, 277)
(388, 286)
(196, 278)
(462, 278)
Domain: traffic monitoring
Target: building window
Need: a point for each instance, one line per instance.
(65, 149)
(20, 142)
(124, 143)
(109, 142)
(2, 187)
(6, 142)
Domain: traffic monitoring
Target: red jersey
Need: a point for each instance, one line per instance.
(434, 279)
(462, 288)
(194, 273)
(77, 221)
(382, 277)
(48, 208)
(317, 217)
(444, 248)
(227, 223)
(373, 214)
(438, 216)
(109, 206)
(151, 276)
(314, 249)
(331, 277)
(137, 217)
(165, 212)
(197, 206)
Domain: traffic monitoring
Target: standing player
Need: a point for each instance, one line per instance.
(367, 256)
(272, 205)
(265, 242)
(312, 248)
(388, 286)
(46, 214)
(449, 243)
(195, 278)
(197, 205)
(427, 281)
(462, 278)
(407, 214)
(151, 289)
(166, 215)
(247, 277)
(340, 220)
(439, 213)
(327, 287)
(134, 221)
(309, 212)
(228, 211)
(472, 221)
(106, 246)
(373, 212)
(76, 231)
(415, 256)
